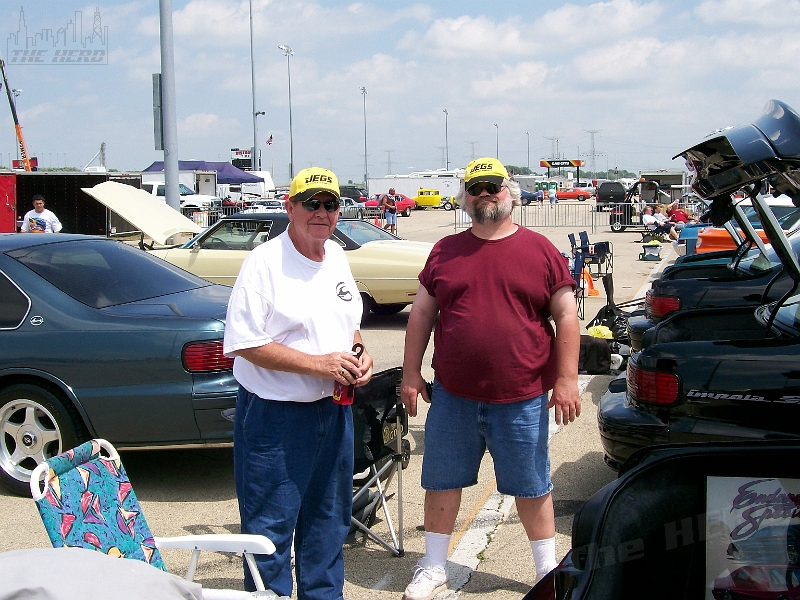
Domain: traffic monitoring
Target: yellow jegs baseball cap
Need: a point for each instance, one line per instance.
(310, 182)
(486, 169)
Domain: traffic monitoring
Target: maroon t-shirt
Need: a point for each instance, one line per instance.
(493, 341)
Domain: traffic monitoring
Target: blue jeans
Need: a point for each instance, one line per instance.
(459, 431)
(293, 467)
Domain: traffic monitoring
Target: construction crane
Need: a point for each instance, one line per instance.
(23, 151)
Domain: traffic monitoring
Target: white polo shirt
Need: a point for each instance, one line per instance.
(282, 296)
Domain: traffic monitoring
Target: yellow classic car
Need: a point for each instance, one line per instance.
(426, 198)
(384, 266)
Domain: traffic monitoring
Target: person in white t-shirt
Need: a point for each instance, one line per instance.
(658, 223)
(40, 220)
(293, 319)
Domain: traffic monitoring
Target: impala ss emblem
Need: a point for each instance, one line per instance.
(37, 320)
(343, 292)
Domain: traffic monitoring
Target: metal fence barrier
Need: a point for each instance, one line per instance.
(206, 217)
(535, 216)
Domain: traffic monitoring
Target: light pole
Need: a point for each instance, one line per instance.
(529, 151)
(287, 52)
(446, 142)
(366, 169)
(496, 142)
(253, 161)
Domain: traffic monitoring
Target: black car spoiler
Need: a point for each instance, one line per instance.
(748, 156)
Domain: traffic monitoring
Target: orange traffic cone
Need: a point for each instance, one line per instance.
(587, 278)
(377, 221)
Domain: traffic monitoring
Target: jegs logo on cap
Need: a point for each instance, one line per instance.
(312, 181)
(319, 178)
(485, 169)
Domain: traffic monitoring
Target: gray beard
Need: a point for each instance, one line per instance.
(489, 212)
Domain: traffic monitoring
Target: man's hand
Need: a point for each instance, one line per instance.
(413, 385)
(567, 401)
(365, 366)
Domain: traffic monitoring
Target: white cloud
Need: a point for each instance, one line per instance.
(773, 14)
(519, 80)
(202, 125)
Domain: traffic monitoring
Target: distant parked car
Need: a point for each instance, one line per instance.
(356, 193)
(586, 185)
(572, 194)
(610, 192)
(527, 197)
(713, 239)
(266, 206)
(100, 339)
(404, 204)
(384, 266)
(348, 207)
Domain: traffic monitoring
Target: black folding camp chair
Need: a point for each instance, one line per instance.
(597, 254)
(380, 424)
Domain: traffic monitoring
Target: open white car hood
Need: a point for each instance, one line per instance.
(148, 214)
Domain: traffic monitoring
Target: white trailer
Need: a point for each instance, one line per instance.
(447, 183)
(262, 190)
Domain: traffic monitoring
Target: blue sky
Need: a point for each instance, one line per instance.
(652, 77)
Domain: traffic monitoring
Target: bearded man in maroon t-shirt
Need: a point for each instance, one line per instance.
(496, 356)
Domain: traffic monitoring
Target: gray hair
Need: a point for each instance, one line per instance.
(511, 185)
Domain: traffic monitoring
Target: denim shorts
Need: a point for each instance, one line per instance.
(391, 217)
(458, 432)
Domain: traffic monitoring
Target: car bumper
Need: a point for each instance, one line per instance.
(625, 429)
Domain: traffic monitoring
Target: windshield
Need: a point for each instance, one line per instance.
(361, 232)
(101, 273)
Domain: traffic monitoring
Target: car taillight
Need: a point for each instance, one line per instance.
(652, 386)
(203, 357)
(656, 306)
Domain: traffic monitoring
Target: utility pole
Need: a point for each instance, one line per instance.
(473, 149)
(529, 151)
(592, 151)
(389, 162)
(366, 168)
(443, 149)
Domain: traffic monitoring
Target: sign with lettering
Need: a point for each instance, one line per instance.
(551, 163)
(751, 521)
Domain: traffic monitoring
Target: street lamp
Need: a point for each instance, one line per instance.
(366, 170)
(287, 52)
(529, 151)
(446, 143)
(496, 142)
(253, 160)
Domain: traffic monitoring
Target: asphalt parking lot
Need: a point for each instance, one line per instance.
(192, 491)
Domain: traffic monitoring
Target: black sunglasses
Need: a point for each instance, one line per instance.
(313, 205)
(478, 188)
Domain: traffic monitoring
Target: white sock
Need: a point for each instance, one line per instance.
(544, 555)
(436, 547)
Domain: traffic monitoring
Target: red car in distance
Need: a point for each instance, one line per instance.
(759, 581)
(580, 194)
(404, 204)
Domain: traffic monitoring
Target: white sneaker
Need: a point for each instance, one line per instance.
(426, 582)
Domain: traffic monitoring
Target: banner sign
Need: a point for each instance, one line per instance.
(561, 163)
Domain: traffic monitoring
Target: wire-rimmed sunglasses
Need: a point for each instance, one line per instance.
(313, 205)
(478, 188)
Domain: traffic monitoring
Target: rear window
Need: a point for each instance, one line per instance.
(101, 273)
(611, 187)
(14, 304)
